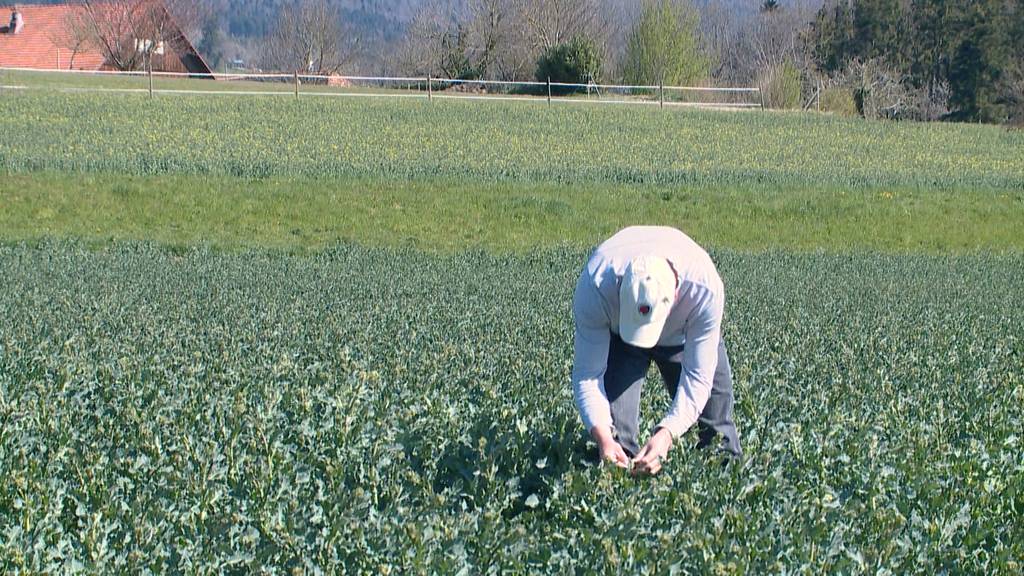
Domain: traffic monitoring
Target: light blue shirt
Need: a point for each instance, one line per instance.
(694, 321)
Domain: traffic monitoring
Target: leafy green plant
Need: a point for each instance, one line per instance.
(664, 46)
(192, 411)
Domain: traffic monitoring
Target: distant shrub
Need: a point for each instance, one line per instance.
(575, 62)
(838, 100)
(781, 86)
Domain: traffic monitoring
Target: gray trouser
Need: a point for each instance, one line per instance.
(624, 379)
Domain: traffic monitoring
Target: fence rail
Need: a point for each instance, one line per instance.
(296, 84)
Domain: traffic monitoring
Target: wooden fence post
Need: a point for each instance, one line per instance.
(296, 78)
(150, 74)
(549, 90)
(430, 90)
(661, 93)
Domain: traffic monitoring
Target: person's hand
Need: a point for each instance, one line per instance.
(610, 450)
(648, 461)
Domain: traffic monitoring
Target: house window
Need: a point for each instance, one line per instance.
(146, 45)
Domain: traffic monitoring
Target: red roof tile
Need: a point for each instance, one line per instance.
(43, 42)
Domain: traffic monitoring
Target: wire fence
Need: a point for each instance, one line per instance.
(300, 85)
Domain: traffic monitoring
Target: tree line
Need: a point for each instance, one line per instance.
(895, 59)
(899, 59)
(926, 58)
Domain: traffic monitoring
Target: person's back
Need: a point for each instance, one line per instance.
(697, 276)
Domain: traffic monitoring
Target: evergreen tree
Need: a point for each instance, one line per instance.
(980, 53)
(832, 34)
(929, 43)
(576, 62)
(974, 47)
(876, 30)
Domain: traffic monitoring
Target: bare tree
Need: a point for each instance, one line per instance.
(612, 36)
(492, 49)
(747, 38)
(130, 33)
(503, 39)
(309, 37)
(726, 43)
(879, 90)
(74, 35)
(549, 23)
(429, 39)
(515, 59)
(779, 32)
(477, 41)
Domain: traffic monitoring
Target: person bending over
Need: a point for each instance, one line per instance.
(651, 293)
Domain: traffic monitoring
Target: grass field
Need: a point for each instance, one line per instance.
(260, 335)
(263, 171)
(449, 214)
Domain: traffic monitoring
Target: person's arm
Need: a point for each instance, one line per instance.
(590, 360)
(590, 357)
(700, 359)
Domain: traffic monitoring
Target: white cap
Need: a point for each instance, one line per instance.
(645, 299)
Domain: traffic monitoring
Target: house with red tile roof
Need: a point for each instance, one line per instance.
(64, 37)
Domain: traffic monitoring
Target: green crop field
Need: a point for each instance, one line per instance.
(267, 335)
(393, 411)
(257, 137)
(255, 171)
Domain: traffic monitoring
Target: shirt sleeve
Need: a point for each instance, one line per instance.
(700, 359)
(590, 356)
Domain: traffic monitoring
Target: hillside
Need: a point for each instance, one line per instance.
(369, 18)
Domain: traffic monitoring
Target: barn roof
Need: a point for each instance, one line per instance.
(44, 41)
